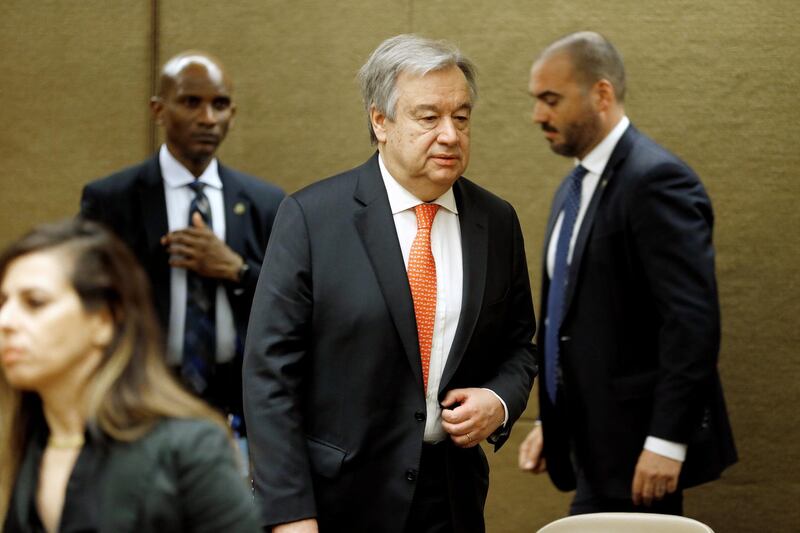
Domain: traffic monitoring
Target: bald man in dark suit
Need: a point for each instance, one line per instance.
(149, 206)
(631, 406)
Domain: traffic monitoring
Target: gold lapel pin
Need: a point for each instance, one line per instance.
(239, 208)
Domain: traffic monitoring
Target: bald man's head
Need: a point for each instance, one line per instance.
(195, 107)
(593, 58)
(194, 59)
(578, 84)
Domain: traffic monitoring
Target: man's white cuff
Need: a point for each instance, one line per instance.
(673, 450)
(505, 407)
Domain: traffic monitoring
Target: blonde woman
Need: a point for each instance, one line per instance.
(95, 435)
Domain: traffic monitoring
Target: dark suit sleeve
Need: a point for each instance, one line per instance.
(214, 494)
(92, 205)
(514, 377)
(672, 222)
(250, 278)
(252, 244)
(273, 372)
(267, 203)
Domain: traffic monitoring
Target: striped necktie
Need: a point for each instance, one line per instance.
(200, 334)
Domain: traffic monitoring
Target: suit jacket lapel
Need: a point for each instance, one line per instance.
(26, 482)
(154, 205)
(235, 208)
(374, 223)
(619, 153)
(153, 215)
(474, 250)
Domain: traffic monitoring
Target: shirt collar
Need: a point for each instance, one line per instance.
(176, 175)
(596, 160)
(400, 199)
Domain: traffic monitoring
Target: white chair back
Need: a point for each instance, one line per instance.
(625, 523)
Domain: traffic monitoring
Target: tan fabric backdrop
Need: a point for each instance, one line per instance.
(715, 81)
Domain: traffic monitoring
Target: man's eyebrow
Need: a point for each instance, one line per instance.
(436, 109)
(545, 94)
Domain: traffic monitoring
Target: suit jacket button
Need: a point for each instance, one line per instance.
(411, 474)
(419, 416)
(566, 338)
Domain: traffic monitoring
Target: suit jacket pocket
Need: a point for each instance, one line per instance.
(635, 386)
(326, 459)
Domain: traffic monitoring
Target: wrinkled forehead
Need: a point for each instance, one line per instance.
(445, 82)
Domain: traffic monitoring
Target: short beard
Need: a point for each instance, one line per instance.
(579, 136)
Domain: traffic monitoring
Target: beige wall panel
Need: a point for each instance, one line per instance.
(715, 82)
(300, 116)
(75, 83)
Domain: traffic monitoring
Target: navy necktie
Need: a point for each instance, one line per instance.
(558, 281)
(199, 337)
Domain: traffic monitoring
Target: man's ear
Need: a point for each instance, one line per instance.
(603, 95)
(156, 106)
(233, 116)
(378, 121)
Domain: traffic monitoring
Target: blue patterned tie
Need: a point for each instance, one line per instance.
(199, 338)
(558, 281)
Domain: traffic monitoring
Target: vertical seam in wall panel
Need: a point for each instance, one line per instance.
(154, 64)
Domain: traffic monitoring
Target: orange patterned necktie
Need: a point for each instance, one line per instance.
(422, 279)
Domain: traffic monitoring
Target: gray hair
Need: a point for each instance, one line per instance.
(594, 58)
(406, 53)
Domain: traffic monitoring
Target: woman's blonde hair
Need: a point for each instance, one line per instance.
(132, 388)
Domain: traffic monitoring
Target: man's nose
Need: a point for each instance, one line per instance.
(448, 133)
(539, 115)
(208, 115)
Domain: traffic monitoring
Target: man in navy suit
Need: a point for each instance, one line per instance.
(392, 325)
(150, 206)
(631, 407)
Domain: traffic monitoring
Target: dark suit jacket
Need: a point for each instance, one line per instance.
(131, 203)
(181, 476)
(333, 384)
(640, 334)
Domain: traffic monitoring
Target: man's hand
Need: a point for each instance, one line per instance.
(530, 451)
(196, 248)
(308, 525)
(654, 477)
(477, 416)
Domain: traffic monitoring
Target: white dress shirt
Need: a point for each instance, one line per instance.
(178, 197)
(595, 163)
(446, 249)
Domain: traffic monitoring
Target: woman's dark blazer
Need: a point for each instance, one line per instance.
(181, 476)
